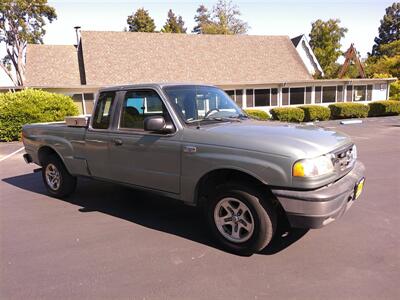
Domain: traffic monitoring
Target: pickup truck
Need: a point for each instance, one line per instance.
(193, 143)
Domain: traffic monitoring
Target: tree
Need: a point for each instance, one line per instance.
(388, 63)
(225, 19)
(325, 41)
(141, 21)
(21, 22)
(174, 24)
(389, 30)
(202, 19)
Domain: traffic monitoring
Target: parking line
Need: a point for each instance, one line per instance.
(11, 154)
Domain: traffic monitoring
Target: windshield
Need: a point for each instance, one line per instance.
(198, 103)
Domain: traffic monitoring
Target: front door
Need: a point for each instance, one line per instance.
(142, 158)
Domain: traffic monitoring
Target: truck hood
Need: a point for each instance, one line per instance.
(299, 141)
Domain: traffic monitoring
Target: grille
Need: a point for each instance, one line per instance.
(345, 158)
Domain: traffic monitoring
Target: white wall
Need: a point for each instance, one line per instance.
(379, 91)
(305, 59)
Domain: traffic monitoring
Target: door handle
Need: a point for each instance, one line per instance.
(118, 142)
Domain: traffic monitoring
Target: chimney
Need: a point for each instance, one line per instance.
(77, 31)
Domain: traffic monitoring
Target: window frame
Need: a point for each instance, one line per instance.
(253, 96)
(322, 94)
(356, 88)
(290, 98)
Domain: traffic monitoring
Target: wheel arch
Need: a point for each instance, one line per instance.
(45, 151)
(219, 176)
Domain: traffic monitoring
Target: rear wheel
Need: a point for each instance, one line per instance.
(56, 178)
(241, 218)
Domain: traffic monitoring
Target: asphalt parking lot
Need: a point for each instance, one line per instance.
(108, 241)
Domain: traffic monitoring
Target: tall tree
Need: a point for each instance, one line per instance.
(202, 18)
(174, 24)
(21, 22)
(389, 30)
(225, 19)
(226, 16)
(141, 21)
(325, 39)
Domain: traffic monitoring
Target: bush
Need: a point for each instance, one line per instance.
(257, 114)
(348, 110)
(315, 112)
(288, 114)
(31, 106)
(384, 108)
(395, 90)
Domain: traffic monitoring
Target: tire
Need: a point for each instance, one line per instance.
(241, 219)
(56, 178)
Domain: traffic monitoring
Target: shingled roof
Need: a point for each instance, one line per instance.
(112, 58)
(52, 66)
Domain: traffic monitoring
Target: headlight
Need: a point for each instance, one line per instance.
(313, 167)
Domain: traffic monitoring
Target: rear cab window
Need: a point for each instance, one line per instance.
(102, 113)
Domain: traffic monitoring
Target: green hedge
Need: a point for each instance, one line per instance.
(287, 114)
(348, 110)
(257, 114)
(384, 108)
(31, 106)
(316, 112)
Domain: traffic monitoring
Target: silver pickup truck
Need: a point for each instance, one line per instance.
(193, 143)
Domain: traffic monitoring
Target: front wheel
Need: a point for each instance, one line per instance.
(241, 218)
(56, 178)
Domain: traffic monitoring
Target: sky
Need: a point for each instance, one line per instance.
(268, 17)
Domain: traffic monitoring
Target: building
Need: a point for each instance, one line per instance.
(259, 72)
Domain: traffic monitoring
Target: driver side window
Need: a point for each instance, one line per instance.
(138, 105)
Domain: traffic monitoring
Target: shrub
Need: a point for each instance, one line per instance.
(315, 112)
(31, 106)
(288, 114)
(395, 90)
(348, 110)
(257, 114)
(384, 108)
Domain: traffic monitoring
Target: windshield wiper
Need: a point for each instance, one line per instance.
(224, 119)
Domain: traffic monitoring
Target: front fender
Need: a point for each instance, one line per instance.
(268, 169)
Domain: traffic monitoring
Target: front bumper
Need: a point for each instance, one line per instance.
(317, 208)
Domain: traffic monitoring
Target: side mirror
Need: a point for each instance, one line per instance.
(156, 124)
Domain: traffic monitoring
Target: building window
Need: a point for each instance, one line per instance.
(231, 94)
(360, 93)
(262, 97)
(285, 96)
(296, 96)
(249, 98)
(340, 93)
(78, 100)
(274, 97)
(328, 94)
(318, 94)
(89, 102)
(308, 95)
(349, 94)
(239, 98)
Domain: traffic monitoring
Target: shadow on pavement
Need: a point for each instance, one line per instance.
(146, 209)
